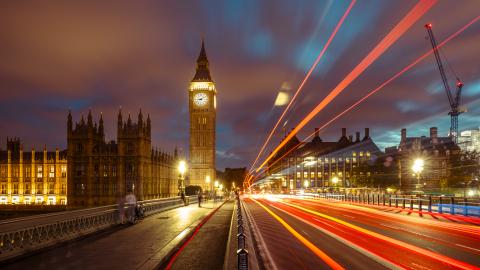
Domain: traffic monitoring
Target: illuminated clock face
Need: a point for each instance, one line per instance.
(200, 99)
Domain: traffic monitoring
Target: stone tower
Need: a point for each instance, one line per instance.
(202, 108)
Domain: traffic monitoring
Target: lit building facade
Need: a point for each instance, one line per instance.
(32, 177)
(100, 172)
(436, 155)
(319, 165)
(469, 140)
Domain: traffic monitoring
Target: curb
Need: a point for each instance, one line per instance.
(165, 257)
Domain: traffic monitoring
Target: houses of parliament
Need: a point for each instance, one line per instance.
(94, 172)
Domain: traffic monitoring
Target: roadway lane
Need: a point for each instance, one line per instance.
(285, 251)
(458, 241)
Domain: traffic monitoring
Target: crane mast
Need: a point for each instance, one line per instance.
(454, 101)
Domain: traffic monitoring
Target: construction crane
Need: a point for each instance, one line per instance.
(454, 100)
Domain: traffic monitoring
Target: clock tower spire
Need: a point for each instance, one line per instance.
(202, 108)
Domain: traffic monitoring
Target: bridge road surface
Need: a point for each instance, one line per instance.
(123, 247)
(456, 242)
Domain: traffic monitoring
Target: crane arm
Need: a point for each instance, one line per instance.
(441, 69)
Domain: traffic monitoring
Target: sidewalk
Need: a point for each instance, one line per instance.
(207, 249)
(122, 247)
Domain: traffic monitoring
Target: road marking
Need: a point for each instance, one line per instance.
(383, 261)
(329, 261)
(476, 249)
(413, 248)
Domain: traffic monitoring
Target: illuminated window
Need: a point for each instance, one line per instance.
(361, 154)
(105, 170)
(354, 159)
(298, 174)
(52, 172)
(347, 160)
(354, 154)
(305, 174)
(39, 171)
(27, 172)
(368, 154)
(312, 175)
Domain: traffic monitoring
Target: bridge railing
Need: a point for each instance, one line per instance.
(440, 204)
(22, 235)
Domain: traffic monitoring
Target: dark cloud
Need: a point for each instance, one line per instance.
(58, 55)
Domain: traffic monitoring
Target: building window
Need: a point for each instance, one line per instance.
(15, 188)
(3, 171)
(298, 174)
(312, 175)
(114, 170)
(64, 171)
(39, 171)
(354, 154)
(52, 172)
(28, 188)
(63, 189)
(3, 188)
(39, 188)
(27, 174)
(305, 174)
(51, 188)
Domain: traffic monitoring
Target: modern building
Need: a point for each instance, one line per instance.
(100, 172)
(422, 162)
(318, 165)
(32, 177)
(469, 140)
(202, 107)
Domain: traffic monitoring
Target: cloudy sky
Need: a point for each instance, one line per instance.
(56, 55)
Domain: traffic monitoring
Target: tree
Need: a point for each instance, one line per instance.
(465, 168)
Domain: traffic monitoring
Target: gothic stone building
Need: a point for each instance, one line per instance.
(100, 172)
(32, 177)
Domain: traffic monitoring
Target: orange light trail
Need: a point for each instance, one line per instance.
(322, 255)
(380, 87)
(320, 55)
(420, 8)
(422, 251)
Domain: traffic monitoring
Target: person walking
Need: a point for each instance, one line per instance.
(131, 201)
(121, 209)
(199, 198)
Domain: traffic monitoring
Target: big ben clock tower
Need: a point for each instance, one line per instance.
(202, 108)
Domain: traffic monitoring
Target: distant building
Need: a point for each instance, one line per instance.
(436, 154)
(235, 175)
(322, 165)
(469, 140)
(32, 177)
(100, 172)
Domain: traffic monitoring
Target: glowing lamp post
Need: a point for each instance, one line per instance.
(182, 168)
(305, 184)
(417, 168)
(335, 181)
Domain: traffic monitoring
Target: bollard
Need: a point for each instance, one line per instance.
(383, 200)
(389, 201)
(429, 203)
(440, 210)
(241, 240)
(465, 206)
(420, 202)
(396, 202)
(378, 199)
(452, 207)
(411, 203)
(368, 198)
(242, 259)
(240, 229)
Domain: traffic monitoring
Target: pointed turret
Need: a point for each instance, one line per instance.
(69, 122)
(89, 119)
(203, 73)
(140, 120)
(100, 124)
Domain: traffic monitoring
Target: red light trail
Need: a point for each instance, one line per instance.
(381, 86)
(420, 8)
(320, 55)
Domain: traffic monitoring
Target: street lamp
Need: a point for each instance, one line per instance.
(417, 168)
(305, 184)
(182, 168)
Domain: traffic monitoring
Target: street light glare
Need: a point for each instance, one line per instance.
(418, 165)
(182, 166)
(335, 180)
